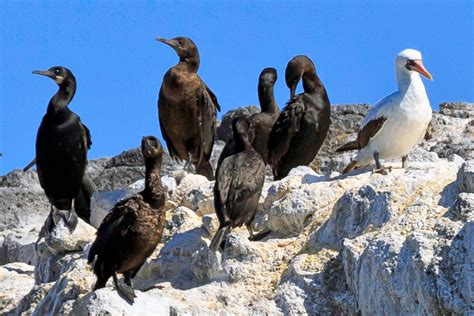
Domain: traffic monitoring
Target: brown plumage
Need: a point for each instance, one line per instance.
(303, 124)
(128, 235)
(363, 137)
(187, 109)
(239, 182)
(260, 123)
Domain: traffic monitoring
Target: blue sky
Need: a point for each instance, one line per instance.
(110, 47)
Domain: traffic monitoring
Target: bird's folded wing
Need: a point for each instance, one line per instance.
(283, 131)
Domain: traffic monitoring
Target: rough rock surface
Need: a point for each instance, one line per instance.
(363, 243)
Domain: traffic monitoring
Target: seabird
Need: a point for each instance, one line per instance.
(62, 143)
(128, 235)
(397, 122)
(187, 109)
(260, 123)
(302, 126)
(239, 182)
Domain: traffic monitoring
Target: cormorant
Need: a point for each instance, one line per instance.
(239, 182)
(61, 153)
(128, 235)
(303, 124)
(187, 109)
(260, 123)
(398, 122)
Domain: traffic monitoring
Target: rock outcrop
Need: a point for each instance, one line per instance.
(362, 243)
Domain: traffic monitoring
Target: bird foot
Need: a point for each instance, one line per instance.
(126, 292)
(68, 216)
(383, 170)
(260, 235)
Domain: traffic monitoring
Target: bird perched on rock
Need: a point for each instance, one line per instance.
(398, 122)
(239, 181)
(62, 143)
(187, 109)
(303, 124)
(260, 123)
(128, 235)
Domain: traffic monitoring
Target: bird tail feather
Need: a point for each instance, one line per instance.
(349, 146)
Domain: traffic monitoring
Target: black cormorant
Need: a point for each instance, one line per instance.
(128, 235)
(239, 182)
(187, 109)
(62, 143)
(260, 123)
(303, 124)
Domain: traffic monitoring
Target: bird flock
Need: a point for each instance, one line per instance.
(187, 111)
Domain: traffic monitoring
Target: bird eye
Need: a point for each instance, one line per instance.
(57, 71)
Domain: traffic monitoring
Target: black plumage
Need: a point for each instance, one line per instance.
(62, 143)
(239, 182)
(187, 109)
(260, 123)
(303, 124)
(128, 235)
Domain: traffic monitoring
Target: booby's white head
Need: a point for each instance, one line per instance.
(409, 61)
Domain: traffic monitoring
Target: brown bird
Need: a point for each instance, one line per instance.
(239, 182)
(187, 109)
(260, 123)
(128, 235)
(303, 124)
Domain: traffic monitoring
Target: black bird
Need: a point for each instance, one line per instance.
(260, 123)
(303, 124)
(187, 109)
(128, 235)
(62, 143)
(238, 185)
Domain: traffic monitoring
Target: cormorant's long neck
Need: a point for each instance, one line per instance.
(62, 98)
(191, 64)
(266, 98)
(311, 82)
(153, 191)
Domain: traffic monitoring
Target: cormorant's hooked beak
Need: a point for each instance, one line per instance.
(418, 66)
(293, 91)
(46, 73)
(170, 43)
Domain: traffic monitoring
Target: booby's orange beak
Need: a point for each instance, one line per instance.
(418, 66)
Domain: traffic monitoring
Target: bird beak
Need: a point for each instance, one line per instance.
(170, 43)
(419, 67)
(46, 73)
(292, 91)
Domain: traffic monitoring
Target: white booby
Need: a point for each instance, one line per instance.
(397, 122)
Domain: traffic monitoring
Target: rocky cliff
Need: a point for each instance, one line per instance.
(356, 244)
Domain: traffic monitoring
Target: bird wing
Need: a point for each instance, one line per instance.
(213, 97)
(207, 108)
(371, 124)
(224, 179)
(285, 127)
(115, 225)
(369, 131)
(245, 184)
(171, 149)
(87, 135)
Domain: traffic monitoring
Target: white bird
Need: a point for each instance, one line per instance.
(397, 122)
